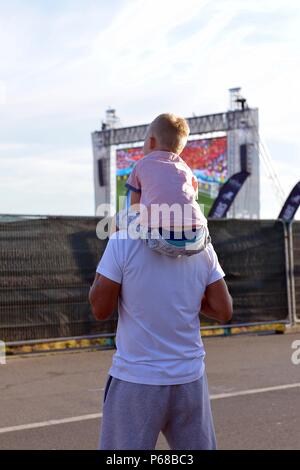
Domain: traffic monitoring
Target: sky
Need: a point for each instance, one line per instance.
(63, 63)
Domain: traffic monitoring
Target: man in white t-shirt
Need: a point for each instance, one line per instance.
(157, 381)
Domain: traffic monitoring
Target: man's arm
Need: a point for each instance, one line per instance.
(103, 296)
(217, 302)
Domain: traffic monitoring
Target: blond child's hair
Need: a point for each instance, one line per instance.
(170, 131)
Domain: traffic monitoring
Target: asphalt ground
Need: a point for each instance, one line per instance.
(54, 400)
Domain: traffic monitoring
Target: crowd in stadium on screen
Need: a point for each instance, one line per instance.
(126, 159)
(206, 157)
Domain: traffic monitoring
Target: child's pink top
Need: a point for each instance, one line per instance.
(164, 178)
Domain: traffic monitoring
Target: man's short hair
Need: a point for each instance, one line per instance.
(171, 132)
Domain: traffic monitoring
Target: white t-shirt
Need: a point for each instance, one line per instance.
(158, 335)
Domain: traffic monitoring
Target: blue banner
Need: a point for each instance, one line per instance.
(227, 194)
(291, 205)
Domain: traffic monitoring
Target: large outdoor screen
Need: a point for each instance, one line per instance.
(206, 157)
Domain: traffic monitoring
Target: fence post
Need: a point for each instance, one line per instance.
(292, 274)
(288, 271)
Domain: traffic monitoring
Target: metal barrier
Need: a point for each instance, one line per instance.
(48, 263)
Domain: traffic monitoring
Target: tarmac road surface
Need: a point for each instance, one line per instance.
(54, 400)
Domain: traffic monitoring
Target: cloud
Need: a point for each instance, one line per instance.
(49, 183)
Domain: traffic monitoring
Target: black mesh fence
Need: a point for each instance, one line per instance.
(296, 256)
(252, 254)
(47, 265)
